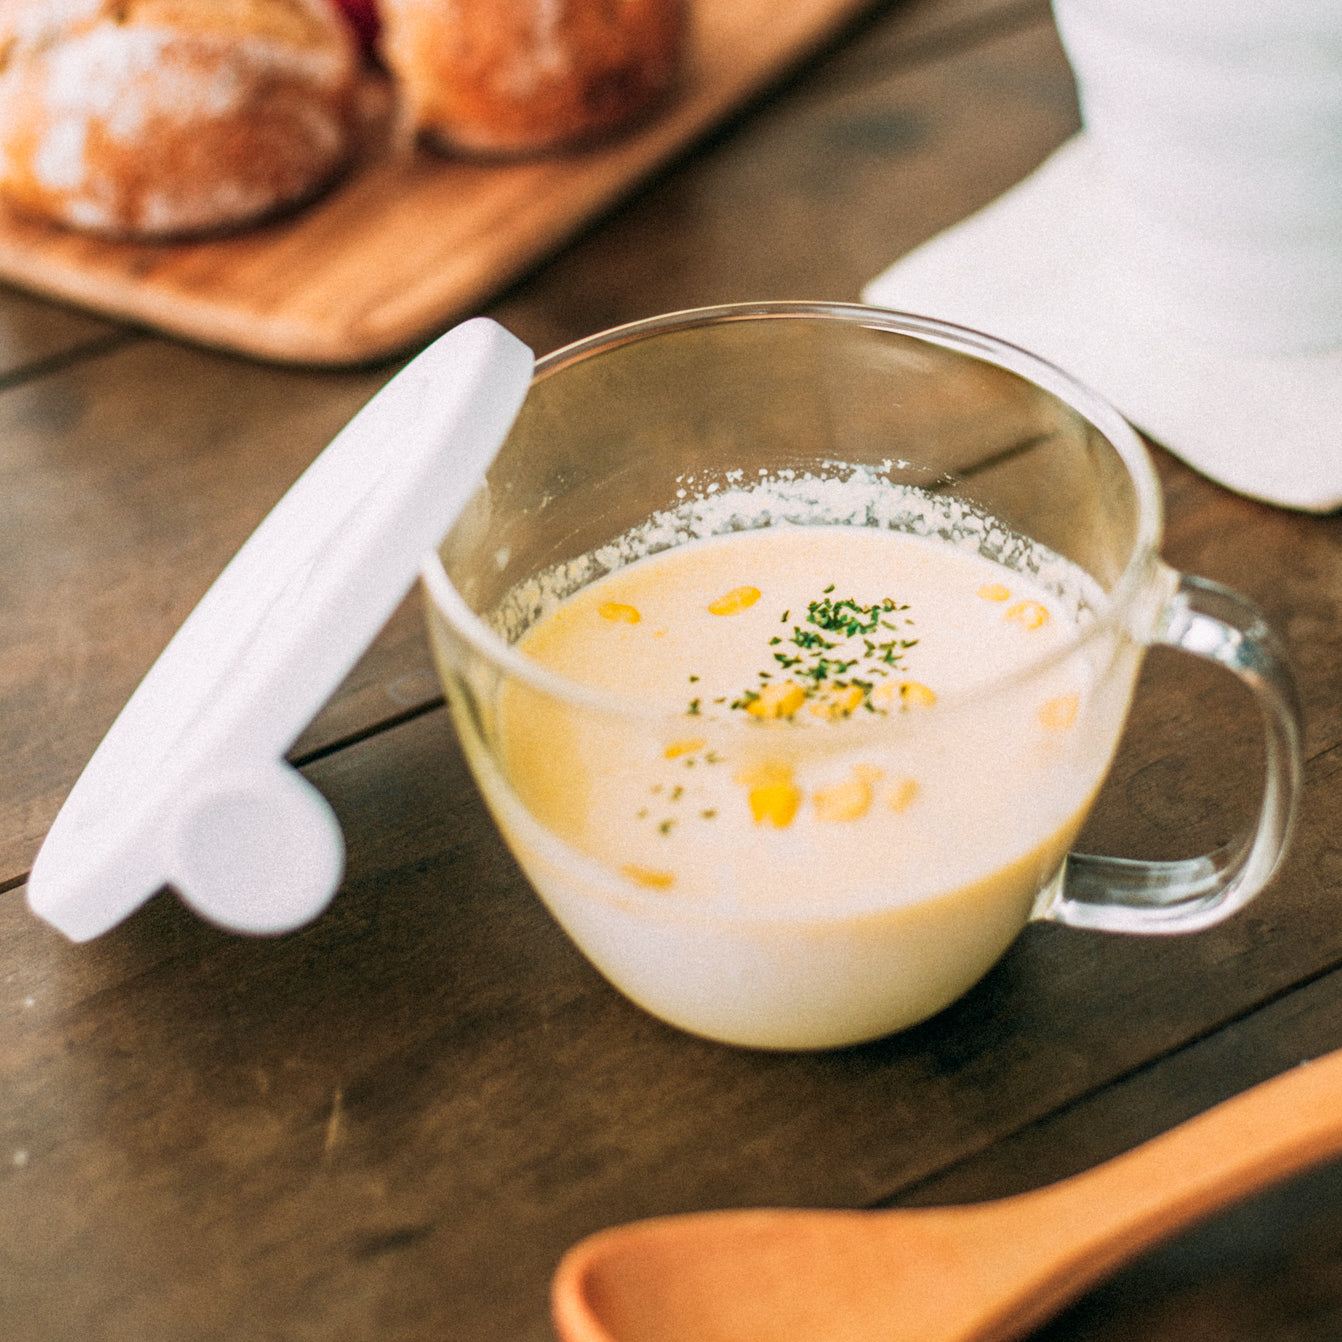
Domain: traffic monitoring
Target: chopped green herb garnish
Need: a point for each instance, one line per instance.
(836, 648)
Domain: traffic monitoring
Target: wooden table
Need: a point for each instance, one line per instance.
(390, 1124)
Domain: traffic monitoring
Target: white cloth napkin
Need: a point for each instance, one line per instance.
(1031, 268)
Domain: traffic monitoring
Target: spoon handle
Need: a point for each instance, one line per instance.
(1076, 1231)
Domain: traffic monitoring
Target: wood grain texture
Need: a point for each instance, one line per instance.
(36, 336)
(392, 1123)
(406, 242)
(1293, 1028)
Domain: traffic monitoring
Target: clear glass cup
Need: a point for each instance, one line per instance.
(931, 429)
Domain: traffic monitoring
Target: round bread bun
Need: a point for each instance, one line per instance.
(513, 77)
(161, 118)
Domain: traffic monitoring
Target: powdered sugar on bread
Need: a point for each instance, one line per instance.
(162, 118)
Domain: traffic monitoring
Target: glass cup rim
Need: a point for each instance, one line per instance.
(1122, 599)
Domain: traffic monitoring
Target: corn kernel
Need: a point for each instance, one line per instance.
(647, 876)
(772, 794)
(1027, 614)
(901, 795)
(994, 591)
(688, 747)
(780, 700)
(843, 801)
(1060, 713)
(618, 612)
(775, 803)
(735, 601)
(838, 702)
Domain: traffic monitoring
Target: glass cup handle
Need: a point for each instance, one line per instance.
(1123, 895)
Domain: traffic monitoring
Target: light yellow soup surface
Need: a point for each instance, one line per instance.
(806, 739)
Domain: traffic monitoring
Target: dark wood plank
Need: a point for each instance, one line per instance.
(1284, 1032)
(36, 336)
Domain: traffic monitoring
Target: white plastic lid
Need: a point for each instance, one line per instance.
(190, 787)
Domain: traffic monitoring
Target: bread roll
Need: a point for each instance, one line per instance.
(511, 77)
(159, 118)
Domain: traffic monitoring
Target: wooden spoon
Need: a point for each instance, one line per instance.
(980, 1273)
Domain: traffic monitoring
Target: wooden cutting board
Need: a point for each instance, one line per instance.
(408, 242)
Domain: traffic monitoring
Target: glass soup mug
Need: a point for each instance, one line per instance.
(829, 922)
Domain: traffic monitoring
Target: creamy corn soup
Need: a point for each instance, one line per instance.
(814, 777)
(798, 670)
